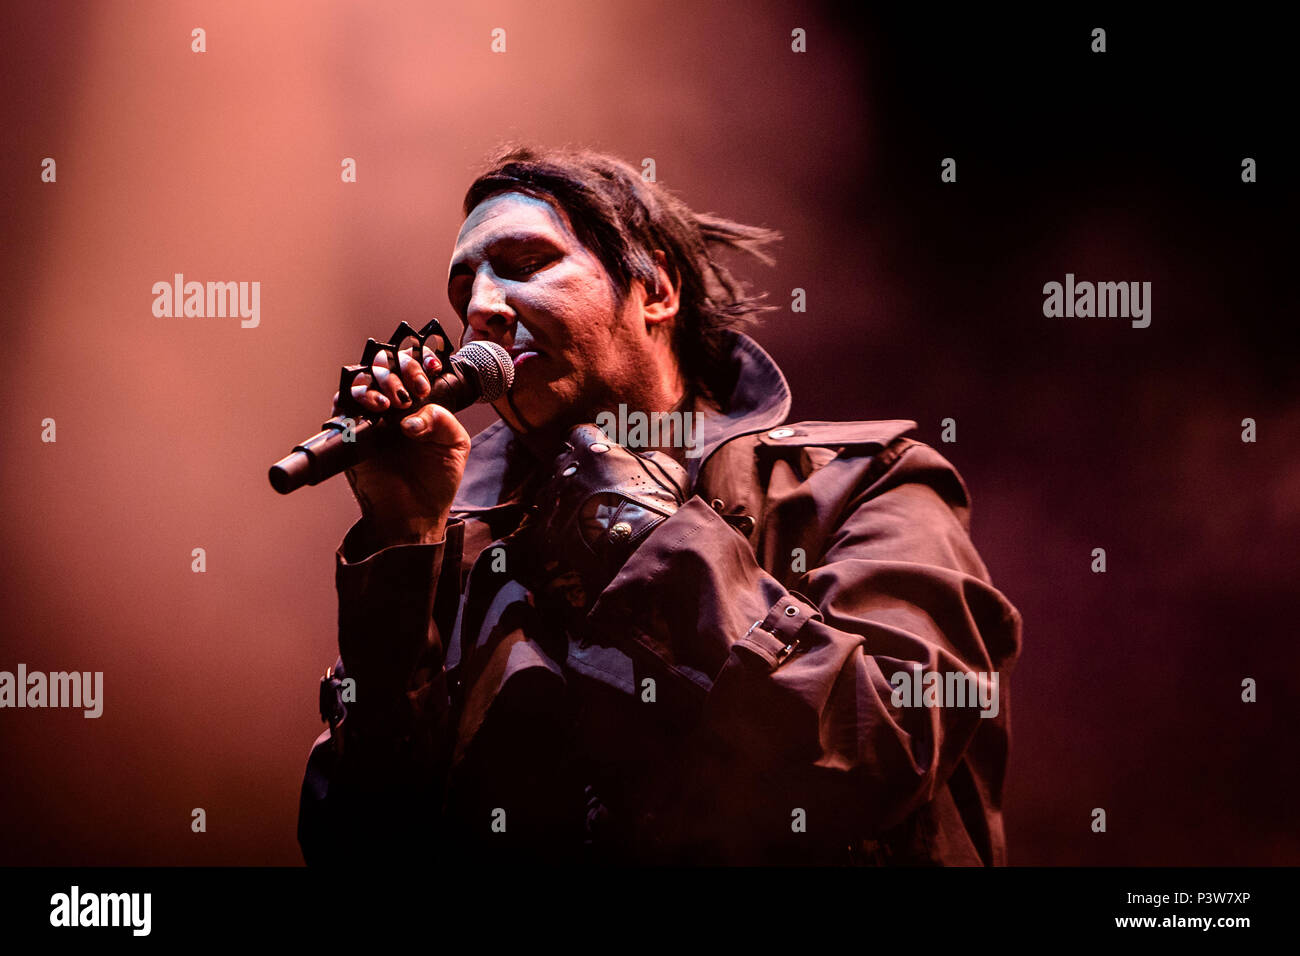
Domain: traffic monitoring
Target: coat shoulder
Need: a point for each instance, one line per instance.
(814, 443)
(881, 454)
(865, 435)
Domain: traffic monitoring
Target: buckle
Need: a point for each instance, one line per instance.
(332, 708)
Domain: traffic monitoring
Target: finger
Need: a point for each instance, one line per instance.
(369, 398)
(432, 364)
(413, 374)
(433, 424)
(389, 382)
(364, 394)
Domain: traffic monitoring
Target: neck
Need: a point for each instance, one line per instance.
(674, 417)
(682, 431)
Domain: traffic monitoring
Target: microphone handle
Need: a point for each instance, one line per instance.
(331, 451)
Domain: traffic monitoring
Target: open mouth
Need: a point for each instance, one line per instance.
(521, 357)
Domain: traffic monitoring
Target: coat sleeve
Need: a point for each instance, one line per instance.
(799, 706)
(373, 788)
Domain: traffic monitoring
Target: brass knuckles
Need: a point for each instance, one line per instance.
(432, 336)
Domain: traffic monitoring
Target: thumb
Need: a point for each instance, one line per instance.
(435, 425)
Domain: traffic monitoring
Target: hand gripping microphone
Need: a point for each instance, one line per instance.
(479, 372)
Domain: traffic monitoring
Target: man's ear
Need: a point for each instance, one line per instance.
(661, 302)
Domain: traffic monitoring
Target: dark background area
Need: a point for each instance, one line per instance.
(924, 302)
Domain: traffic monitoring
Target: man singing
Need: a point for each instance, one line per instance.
(681, 645)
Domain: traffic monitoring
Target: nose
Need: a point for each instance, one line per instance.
(488, 314)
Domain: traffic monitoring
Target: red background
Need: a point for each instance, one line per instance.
(924, 302)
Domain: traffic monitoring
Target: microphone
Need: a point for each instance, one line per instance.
(479, 372)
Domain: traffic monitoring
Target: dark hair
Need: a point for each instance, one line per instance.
(623, 219)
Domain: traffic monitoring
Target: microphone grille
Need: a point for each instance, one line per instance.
(493, 366)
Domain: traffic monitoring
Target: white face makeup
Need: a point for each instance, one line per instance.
(520, 277)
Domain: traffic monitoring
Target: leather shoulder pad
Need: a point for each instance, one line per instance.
(867, 437)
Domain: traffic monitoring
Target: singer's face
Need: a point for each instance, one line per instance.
(521, 278)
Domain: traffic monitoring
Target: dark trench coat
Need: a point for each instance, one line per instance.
(729, 699)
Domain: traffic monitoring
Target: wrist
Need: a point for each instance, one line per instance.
(390, 532)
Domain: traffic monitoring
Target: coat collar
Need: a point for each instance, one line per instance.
(758, 399)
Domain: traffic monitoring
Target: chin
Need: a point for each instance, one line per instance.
(526, 416)
(545, 405)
